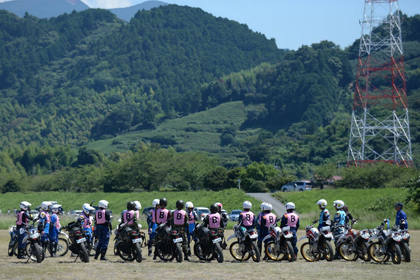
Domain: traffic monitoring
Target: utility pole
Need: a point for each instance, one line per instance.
(380, 130)
(239, 183)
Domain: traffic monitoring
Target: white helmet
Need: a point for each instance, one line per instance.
(339, 204)
(55, 208)
(263, 205)
(87, 208)
(103, 204)
(24, 205)
(322, 202)
(45, 205)
(220, 205)
(138, 204)
(156, 202)
(247, 205)
(189, 204)
(269, 206)
(290, 205)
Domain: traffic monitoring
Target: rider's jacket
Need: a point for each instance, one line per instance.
(401, 216)
(247, 219)
(324, 217)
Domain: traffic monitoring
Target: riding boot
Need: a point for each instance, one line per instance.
(21, 254)
(53, 249)
(98, 251)
(103, 253)
(150, 250)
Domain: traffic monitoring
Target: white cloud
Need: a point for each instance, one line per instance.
(2, 1)
(107, 4)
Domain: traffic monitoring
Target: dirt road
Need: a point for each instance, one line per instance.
(278, 207)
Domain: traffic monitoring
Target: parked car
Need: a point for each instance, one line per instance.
(303, 185)
(202, 212)
(76, 213)
(234, 215)
(225, 212)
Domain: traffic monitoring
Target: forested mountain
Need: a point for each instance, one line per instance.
(64, 77)
(43, 8)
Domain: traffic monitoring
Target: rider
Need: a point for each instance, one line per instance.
(130, 216)
(223, 223)
(292, 220)
(152, 224)
(55, 228)
(340, 222)
(192, 219)
(44, 223)
(103, 229)
(247, 218)
(264, 221)
(180, 222)
(162, 216)
(86, 220)
(401, 218)
(22, 218)
(324, 217)
(213, 220)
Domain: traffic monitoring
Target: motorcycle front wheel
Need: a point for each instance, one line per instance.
(329, 252)
(405, 252)
(307, 253)
(256, 255)
(164, 252)
(11, 250)
(395, 253)
(235, 251)
(34, 252)
(62, 247)
(374, 252)
(273, 253)
(346, 252)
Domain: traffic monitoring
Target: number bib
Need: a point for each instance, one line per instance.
(247, 218)
(292, 219)
(100, 217)
(179, 217)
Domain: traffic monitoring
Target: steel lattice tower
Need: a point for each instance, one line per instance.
(380, 125)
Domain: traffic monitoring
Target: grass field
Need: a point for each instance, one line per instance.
(371, 206)
(115, 268)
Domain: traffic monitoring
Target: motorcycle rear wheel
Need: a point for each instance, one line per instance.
(405, 252)
(306, 251)
(256, 255)
(178, 251)
(364, 255)
(373, 252)
(10, 251)
(120, 252)
(198, 251)
(346, 251)
(235, 251)
(83, 254)
(290, 252)
(138, 253)
(219, 253)
(62, 247)
(164, 253)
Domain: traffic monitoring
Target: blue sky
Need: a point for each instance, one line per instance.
(292, 23)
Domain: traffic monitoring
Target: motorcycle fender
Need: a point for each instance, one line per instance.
(233, 235)
(65, 234)
(25, 239)
(302, 238)
(267, 237)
